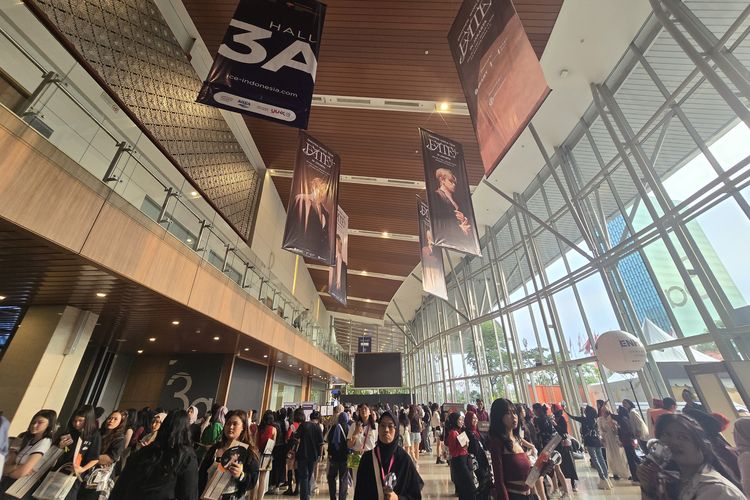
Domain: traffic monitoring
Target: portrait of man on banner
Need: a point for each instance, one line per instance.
(448, 195)
(311, 216)
(337, 273)
(431, 256)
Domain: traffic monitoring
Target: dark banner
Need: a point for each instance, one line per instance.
(267, 62)
(311, 216)
(433, 272)
(448, 195)
(364, 344)
(503, 82)
(192, 380)
(337, 272)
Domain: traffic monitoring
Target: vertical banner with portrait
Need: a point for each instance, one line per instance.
(310, 228)
(448, 195)
(431, 256)
(267, 62)
(500, 74)
(337, 272)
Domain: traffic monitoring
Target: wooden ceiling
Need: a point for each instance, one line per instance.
(394, 49)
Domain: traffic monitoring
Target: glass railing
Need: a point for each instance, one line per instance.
(114, 150)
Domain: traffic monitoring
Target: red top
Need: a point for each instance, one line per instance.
(454, 447)
(508, 467)
(292, 429)
(264, 436)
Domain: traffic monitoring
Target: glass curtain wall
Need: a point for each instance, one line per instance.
(639, 221)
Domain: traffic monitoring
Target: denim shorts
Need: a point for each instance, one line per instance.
(416, 438)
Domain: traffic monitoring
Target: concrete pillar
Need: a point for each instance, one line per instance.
(41, 362)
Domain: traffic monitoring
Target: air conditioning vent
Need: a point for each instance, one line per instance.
(352, 100)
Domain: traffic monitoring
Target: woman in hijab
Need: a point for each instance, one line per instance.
(151, 436)
(211, 434)
(742, 439)
(375, 475)
(338, 452)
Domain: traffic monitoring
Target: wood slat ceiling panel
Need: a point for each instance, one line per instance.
(384, 49)
(378, 48)
(370, 142)
(359, 286)
(376, 311)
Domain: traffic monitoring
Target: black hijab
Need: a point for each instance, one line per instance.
(386, 451)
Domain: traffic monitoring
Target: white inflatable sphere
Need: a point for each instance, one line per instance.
(620, 351)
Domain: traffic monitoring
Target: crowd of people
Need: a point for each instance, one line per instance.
(511, 452)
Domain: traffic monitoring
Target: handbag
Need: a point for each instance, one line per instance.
(56, 485)
(352, 461)
(99, 478)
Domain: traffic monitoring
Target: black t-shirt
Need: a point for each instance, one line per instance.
(310, 441)
(89, 451)
(414, 423)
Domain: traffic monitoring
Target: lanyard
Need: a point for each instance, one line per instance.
(390, 466)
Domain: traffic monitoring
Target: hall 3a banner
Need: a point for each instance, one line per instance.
(192, 380)
(502, 79)
(448, 195)
(337, 272)
(311, 215)
(431, 256)
(267, 62)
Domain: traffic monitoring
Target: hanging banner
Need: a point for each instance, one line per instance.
(502, 79)
(433, 272)
(337, 272)
(448, 195)
(267, 62)
(311, 216)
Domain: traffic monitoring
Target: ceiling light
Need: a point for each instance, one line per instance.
(272, 171)
(121, 340)
(290, 366)
(279, 361)
(368, 300)
(194, 194)
(140, 351)
(364, 273)
(192, 350)
(216, 338)
(152, 339)
(300, 369)
(175, 322)
(265, 355)
(386, 234)
(101, 295)
(247, 348)
(444, 106)
(2, 297)
(189, 240)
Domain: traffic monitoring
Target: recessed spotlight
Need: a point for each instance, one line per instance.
(368, 300)
(192, 350)
(152, 339)
(426, 52)
(194, 193)
(265, 355)
(175, 322)
(364, 273)
(279, 361)
(300, 369)
(272, 171)
(290, 366)
(121, 340)
(247, 348)
(2, 297)
(386, 234)
(444, 106)
(140, 351)
(189, 240)
(101, 295)
(216, 338)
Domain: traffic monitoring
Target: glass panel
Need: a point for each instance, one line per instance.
(470, 354)
(456, 357)
(573, 329)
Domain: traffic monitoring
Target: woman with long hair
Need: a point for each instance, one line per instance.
(131, 424)
(567, 465)
(81, 428)
(458, 448)
(701, 476)
(404, 432)
(477, 450)
(267, 431)
(142, 427)
(165, 470)
(337, 455)
(386, 471)
(437, 430)
(510, 463)
(363, 436)
(415, 423)
(35, 442)
(278, 472)
(593, 444)
(243, 467)
(150, 436)
(113, 438)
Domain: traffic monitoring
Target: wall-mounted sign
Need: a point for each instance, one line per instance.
(364, 344)
(267, 62)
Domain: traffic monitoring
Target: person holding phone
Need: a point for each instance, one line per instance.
(362, 437)
(242, 465)
(84, 456)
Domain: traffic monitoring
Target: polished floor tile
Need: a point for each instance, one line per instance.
(438, 483)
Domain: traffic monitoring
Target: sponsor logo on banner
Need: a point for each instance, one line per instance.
(502, 79)
(267, 62)
(311, 215)
(431, 256)
(451, 211)
(337, 272)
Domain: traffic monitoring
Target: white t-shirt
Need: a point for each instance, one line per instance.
(40, 447)
(435, 420)
(362, 443)
(405, 435)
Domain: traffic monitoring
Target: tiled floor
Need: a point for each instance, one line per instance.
(438, 484)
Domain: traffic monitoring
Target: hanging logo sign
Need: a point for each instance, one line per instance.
(267, 62)
(502, 79)
(448, 195)
(311, 215)
(431, 256)
(337, 272)
(364, 344)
